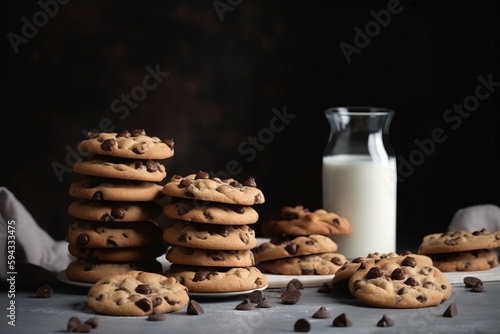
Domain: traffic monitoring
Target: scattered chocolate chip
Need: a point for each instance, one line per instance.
(170, 143)
(250, 182)
(297, 284)
(409, 262)
(144, 304)
(245, 305)
(385, 322)
(302, 325)
(255, 296)
(151, 166)
(235, 184)
(451, 311)
(478, 287)
(44, 291)
(184, 183)
(75, 325)
(422, 298)
(92, 322)
(291, 295)
(322, 313)
(108, 145)
(291, 248)
(156, 316)
(194, 308)
(138, 132)
(342, 321)
(201, 175)
(140, 148)
(97, 196)
(264, 303)
(118, 212)
(398, 274)
(324, 288)
(111, 242)
(374, 272)
(411, 282)
(82, 240)
(470, 281)
(143, 289)
(124, 133)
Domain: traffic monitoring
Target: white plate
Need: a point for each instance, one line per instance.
(223, 294)
(61, 276)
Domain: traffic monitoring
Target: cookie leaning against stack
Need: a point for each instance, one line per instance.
(115, 204)
(210, 236)
(300, 242)
(462, 250)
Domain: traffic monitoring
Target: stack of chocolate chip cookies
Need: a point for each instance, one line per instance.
(300, 242)
(462, 250)
(115, 201)
(210, 236)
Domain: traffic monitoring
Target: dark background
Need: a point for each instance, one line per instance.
(227, 76)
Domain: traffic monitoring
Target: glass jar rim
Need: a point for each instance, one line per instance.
(360, 110)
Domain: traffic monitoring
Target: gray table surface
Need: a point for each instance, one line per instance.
(477, 313)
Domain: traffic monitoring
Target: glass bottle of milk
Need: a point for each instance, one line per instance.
(360, 179)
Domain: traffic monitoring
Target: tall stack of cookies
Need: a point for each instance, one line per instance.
(115, 203)
(210, 239)
(300, 242)
(462, 250)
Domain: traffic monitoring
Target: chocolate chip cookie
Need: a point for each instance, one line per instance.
(113, 235)
(217, 279)
(400, 282)
(137, 293)
(201, 186)
(107, 211)
(148, 252)
(209, 257)
(207, 236)
(316, 264)
(135, 145)
(210, 212)
(473, 260)
(297, 220)
(459, 241)
(298, 246)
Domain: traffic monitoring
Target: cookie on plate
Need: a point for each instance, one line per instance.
(201, 186)
(297, 220)
(105, 189)
(206, 236)
(210, 212)
(209, 257)
(459, 241)
(316, 264)
(113, 235)
(121, 168)
(107, 211)
(135, 145)
(137, 293)
(400, 282)
(298, 246)
(148, 252)
(213, 279)
(473, 260)
(90, 271)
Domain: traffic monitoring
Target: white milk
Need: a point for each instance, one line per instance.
(363, 191)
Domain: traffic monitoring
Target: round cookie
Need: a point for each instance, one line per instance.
(459, 241)
(134, 145)
(295, 221)
(298, 246)
(209, 257)
(105, 189)
(89, 271)
(211, 212)
(107, 211)
(137, 293)
(316, 264)
(113, 235)
(126, 169)
(400, 282)
(205, 236)
(481, 259)
(201, 186)
(207, 280)
(149, 252)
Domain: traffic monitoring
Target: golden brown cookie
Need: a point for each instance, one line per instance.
(149, 252)
(206, 236)
(107, 211)
(201, 186)
(297, 220)
(209, 257)
(459, 241)
(316, 264)
(137, 293)
(215, 279)
(134, 145)
(481, 259)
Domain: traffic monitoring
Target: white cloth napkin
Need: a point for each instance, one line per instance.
(475, 218)
(30, 243)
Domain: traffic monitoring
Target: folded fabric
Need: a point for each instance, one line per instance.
(475, 218)
(25, 240)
